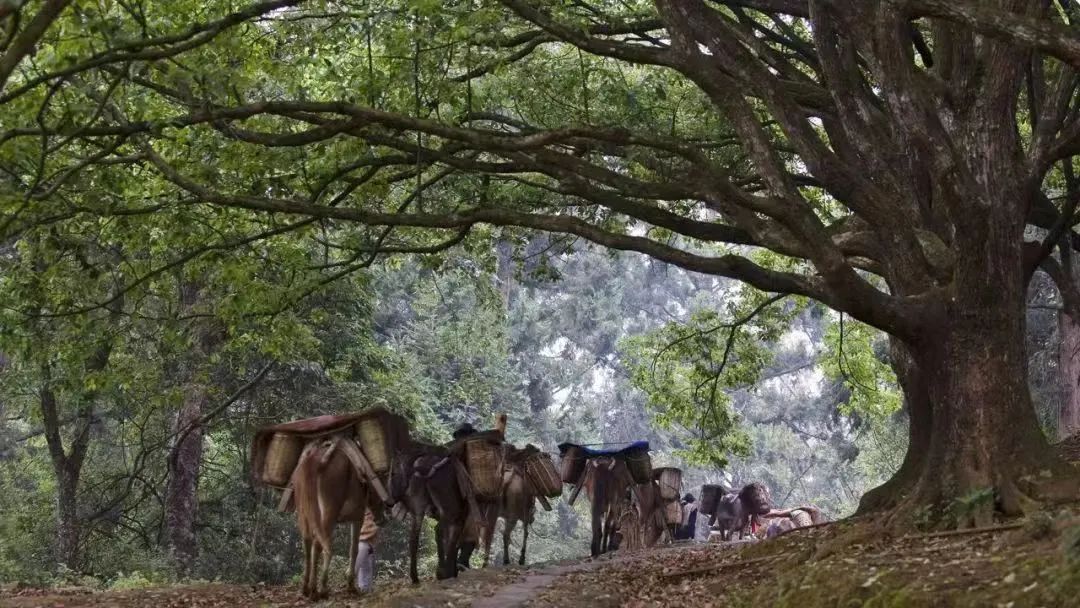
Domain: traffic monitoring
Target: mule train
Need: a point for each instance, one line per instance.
(355, 468)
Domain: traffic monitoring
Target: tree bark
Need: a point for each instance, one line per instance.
(67, 468)
(986, 449)
(68, 524)
(1068, 415)
(186, 451)
(181, 493)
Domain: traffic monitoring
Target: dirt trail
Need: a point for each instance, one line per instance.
(842, 564)
(520, 593)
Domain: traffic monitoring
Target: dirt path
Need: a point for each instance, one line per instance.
(521, 592)
(1036, 565)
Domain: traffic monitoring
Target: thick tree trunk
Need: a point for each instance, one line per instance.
(986, 451)
(1068, 418)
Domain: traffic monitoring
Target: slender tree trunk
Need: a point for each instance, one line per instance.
(1068, 418)
(186, 451)
(67, 468)
(185, 460)
(504, 271)
(68, 525)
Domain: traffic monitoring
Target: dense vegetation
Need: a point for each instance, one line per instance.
(217, 215)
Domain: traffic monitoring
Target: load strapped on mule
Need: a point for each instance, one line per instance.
(369, 439)
(606, 474)
(576, 459)
(332, 469)
(669, 486)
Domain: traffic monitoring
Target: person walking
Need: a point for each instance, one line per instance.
(365, 553)
(687, 530)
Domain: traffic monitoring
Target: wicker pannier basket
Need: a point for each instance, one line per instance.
(543, 476)
(670, 481)
(282, 454)
(639, 464)
(673, 512)
(573, 463)
(380, 434)
(710, 497)
(484, 461)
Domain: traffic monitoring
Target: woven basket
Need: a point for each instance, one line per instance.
(282, 454)
(673, 512)
(484, 461)
(710, 497)
(573, 464)
(380, 435)
(639, 464)
(670, 482)
(543, 476)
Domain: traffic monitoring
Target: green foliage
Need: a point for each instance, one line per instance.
(854, 354)
(688, 370)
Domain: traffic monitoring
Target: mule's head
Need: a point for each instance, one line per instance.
(755, 498)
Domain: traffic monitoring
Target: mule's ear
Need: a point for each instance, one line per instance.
(500, 424)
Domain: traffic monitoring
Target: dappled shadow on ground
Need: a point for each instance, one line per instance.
(848, 563)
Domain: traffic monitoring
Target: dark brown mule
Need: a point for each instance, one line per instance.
(424, 480)
(734, 511)
(606, 482)
(327, 490)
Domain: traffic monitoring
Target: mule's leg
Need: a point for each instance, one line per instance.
(508, 529)
(524, 542)
(597, 531)
(454, 531)
(306, 579)
(414, 546)
(354, 545)
(488, 532)
(441, 571)
(324, 576)
(605, 540)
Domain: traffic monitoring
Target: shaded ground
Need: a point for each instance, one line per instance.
(843, 564)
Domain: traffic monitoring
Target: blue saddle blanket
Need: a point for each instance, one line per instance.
(608, 449)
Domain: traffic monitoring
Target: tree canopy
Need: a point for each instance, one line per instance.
(908, 163)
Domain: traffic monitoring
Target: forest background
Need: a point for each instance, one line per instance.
(144, 336)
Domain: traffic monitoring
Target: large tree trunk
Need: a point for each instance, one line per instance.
(985, 447)
(1068, 415)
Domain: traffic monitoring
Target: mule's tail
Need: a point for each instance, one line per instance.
(305, 492)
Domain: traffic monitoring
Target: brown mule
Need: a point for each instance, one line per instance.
(606, 482)
(327, 490)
